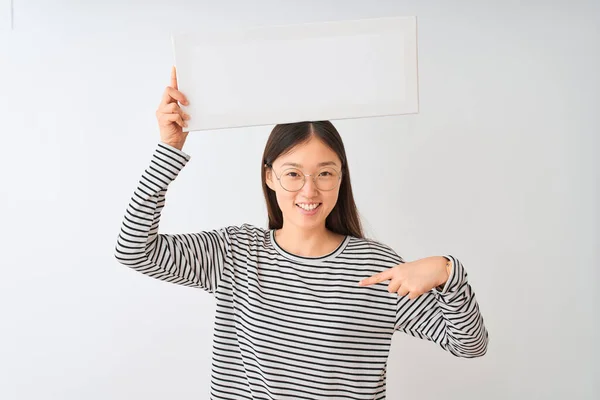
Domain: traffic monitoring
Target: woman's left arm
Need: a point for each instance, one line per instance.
(437, 307)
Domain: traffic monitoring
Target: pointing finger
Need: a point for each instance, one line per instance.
(380, 277)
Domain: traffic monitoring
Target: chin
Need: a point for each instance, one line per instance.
(309, 222)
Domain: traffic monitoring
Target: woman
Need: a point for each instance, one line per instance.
(307, 308)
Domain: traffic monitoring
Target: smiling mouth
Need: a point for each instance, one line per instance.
(307, 207)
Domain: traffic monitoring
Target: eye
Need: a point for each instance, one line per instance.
(326, 173)
(292, 174)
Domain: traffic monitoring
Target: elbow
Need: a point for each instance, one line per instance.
(131, 260)
(125, 256)
(120, 255)
(478, 352)
(120, 258)
(474, 348)
(129, 251)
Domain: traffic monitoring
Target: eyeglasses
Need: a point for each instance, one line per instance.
(293, 180)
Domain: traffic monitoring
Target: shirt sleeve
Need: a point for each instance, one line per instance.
(449, 317)
(194, 259)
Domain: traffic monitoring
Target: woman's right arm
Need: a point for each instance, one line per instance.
(195, 259)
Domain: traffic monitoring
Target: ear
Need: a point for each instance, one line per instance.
(269, 178)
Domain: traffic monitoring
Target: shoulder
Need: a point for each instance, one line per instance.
(246, 233)
(378, 251)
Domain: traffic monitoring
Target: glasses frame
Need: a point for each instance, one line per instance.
(304, 177)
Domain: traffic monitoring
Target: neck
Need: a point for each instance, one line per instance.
(315, 242)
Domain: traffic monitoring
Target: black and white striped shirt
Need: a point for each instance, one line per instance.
(290, 327)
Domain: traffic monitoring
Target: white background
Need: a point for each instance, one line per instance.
(499, 168)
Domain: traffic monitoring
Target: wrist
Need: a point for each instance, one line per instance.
(178, 146)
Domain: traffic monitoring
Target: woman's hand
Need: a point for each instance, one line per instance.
(413, 278)
(171, 119)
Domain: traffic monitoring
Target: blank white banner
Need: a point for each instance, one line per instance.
(280, 74)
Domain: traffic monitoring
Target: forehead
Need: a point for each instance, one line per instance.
(312, 153)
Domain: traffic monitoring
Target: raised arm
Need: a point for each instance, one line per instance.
(195, 259)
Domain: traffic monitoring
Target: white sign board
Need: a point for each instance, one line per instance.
(292, 73)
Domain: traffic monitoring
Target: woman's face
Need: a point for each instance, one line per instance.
(309, 207)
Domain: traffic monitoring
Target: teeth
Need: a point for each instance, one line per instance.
(308, 207)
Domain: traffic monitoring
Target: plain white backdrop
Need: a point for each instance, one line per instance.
(499, 168)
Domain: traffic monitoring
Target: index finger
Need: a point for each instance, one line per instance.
(174, 77)
(380, 277)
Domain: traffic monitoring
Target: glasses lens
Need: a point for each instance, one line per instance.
(327, 179)
(292, 179)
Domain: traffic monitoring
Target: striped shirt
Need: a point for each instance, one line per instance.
(291, 327)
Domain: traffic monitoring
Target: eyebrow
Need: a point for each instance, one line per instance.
(323, 164)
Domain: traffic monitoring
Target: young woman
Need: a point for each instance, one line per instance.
(306, 309)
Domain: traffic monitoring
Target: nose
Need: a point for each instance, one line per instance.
(309, 189)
